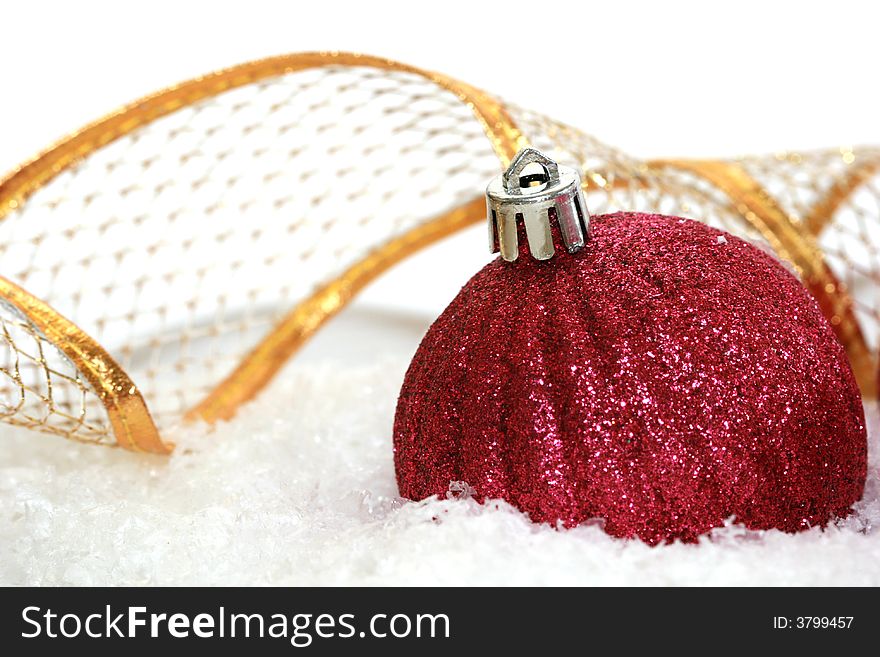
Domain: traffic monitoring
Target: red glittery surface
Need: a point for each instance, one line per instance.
(661, 379)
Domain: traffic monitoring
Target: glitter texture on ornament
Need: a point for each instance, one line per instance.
(660, 379)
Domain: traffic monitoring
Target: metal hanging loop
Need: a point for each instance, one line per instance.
(534, 198)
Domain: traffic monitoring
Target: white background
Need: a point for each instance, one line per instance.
(655, 78)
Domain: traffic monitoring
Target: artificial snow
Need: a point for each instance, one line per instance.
(299, 489)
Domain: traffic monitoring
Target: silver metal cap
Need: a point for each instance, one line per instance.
(517, 195)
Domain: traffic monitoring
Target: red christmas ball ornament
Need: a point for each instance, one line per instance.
(646, 370)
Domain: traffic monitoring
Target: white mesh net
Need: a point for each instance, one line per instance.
(181, 244)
